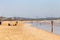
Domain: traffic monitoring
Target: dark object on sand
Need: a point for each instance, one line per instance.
(51, 26)
(9, 24)
(0, 23)
(15, 23)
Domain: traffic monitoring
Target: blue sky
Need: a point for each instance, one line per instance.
(30, 8)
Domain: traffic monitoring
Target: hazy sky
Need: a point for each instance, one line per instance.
(30, 8)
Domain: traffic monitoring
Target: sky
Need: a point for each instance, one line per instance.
(30, 8)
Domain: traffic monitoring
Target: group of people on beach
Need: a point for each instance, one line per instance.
(13, 24)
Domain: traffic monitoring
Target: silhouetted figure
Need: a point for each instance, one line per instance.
(51, 26)
(0, 23)
(9, 24)
(15, 24)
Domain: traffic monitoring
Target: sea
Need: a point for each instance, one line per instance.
(47, 27)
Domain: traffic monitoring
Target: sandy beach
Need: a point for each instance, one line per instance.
(25, 32)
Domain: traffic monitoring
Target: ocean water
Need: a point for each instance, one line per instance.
(47, 27)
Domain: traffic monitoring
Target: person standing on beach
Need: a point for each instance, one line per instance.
(51, 26)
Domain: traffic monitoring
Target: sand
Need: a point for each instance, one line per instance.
(25, 32)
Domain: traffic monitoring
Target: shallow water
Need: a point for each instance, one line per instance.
(46, 27)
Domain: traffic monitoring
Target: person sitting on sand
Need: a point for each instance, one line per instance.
(9, 24)
(15, 24)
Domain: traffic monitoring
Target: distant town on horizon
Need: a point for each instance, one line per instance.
(23, 18)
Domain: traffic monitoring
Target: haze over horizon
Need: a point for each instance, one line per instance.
(30, 8)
